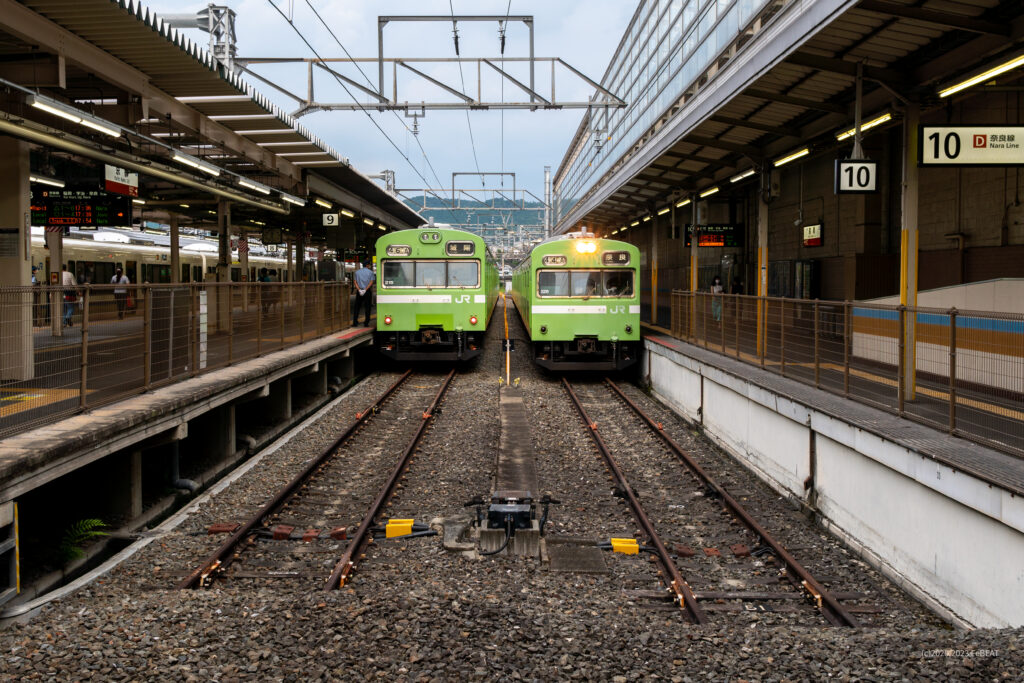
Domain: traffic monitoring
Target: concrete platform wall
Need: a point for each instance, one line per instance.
(955, 541)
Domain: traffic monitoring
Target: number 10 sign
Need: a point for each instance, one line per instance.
(856, 176)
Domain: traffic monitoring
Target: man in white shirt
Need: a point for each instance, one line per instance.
(67, 281)
(120, 291)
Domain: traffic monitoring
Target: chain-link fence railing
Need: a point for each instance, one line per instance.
(968, 366)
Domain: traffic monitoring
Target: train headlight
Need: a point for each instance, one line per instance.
(387, 320)
(585, 247)
(472, 320)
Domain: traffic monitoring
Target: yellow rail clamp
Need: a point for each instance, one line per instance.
(398, 527)
(627, 546)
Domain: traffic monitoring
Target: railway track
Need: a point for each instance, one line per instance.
(303, 530)
(682, 502)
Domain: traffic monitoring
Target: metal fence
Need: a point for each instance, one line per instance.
(65, 350)
(969, 365)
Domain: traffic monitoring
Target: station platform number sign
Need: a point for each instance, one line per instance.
(856, 176)
(970, 145)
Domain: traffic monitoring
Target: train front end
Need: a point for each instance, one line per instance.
(578, 296)
(436, 290)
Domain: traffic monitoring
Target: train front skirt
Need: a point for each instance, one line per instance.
(585, 353)
(429, 343)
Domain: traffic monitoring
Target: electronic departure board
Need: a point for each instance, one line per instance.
(80, 208)
(716, 235)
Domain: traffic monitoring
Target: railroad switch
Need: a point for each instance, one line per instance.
(507, 513)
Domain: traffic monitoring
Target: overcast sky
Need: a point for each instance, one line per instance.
(584, 33)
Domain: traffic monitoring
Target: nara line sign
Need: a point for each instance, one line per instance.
(969, 145)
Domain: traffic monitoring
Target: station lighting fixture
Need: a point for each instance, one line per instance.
(184, 206)
(190, 160)
(740, 176)
(138, 201)
(292, 199)
(982, 77)
(615, 232)
(864, 126)
(323, 202)
(70, 113)
(347, 214)
(664, 211)
(382, 228)
(646, 218)
(253, 185)
(256, 222)
(46, 181)
(792, 156)
(634, 224)
(683, 203)
(368, 221)
(708, 192)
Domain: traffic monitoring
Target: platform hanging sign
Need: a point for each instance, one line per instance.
(976, 145)
(120, 181)
(856, 176)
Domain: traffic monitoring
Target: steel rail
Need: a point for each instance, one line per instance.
(684, 596)
(362, 537)
(224, 555)
(830, 607)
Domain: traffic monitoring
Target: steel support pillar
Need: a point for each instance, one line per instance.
(908, 249)
(16, 361)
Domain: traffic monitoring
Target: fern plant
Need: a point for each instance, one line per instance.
(78, 535)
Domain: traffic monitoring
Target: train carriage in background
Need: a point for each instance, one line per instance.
(436, 291)
(579, 301)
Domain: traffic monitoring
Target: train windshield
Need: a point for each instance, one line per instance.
(431, 274)
(585, 283)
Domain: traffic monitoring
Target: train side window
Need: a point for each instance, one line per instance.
(463, 273)
(398, 273)
(553, 283)
(430, 273)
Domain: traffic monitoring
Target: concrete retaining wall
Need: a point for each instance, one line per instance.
(955, 541)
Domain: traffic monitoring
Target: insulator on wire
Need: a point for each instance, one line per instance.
(455, 36)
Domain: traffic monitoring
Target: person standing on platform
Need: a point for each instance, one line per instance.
(364, 278)
(716, 301)
(67, 281)
(120, 291)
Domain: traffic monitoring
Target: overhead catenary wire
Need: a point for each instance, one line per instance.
(462, 78)
(363, 108)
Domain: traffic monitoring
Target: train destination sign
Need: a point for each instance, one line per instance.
(720, 235)
(81, 208)
(976, 145)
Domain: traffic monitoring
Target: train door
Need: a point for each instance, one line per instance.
(131, 269)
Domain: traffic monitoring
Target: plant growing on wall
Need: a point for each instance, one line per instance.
(78, 535)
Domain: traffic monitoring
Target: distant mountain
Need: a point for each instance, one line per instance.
(478, 213)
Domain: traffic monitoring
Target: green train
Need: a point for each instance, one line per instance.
(436, 291)
(579, 300)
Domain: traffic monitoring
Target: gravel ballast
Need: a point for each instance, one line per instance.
(417, 612)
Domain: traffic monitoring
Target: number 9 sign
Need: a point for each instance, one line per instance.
(330, 220)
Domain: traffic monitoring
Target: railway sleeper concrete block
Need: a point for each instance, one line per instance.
(282, 532)
(222, 528)
(454, 531)
(683, 550)
(526, 543)
(712, 552)
(310, 535)
(491, 539)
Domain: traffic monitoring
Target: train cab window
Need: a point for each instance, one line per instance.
(553, 283)
(618, 283)
(587, 283)
(463, 274)
(398, 273)
(430, 274)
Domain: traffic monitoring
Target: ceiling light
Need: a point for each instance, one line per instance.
(46, 181)
(795, 155)
(347, 214)
(256, 222)
(682, 203)
(265, 131)
(615, 232)
(982, 77)
(186, 206)
(646, 218)
(291, 199)
(864, 126)
(664, 211)
(709, 192)
(740, 176)
(70, 113)
(253, 185)
(382, 228)
(190, 160)
(323, 203)
(138, 201)
(634, 224)
(368, 221)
